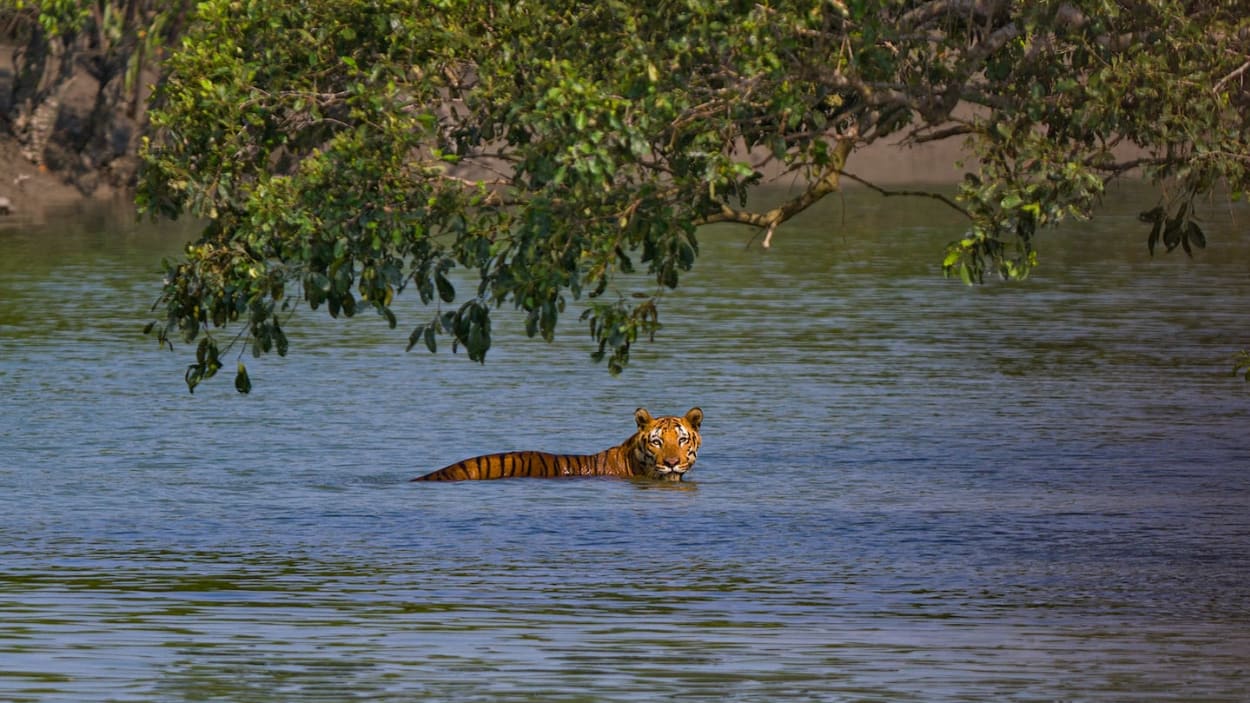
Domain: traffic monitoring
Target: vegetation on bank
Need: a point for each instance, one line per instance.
(78, 79)
(344, 151)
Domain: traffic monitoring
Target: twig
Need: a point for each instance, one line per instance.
(768, 234)
(1236, 72)
(913, 193)
(939, 134)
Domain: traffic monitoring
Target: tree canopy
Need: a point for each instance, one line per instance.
(343, 151)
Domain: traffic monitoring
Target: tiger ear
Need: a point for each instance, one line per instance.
(642, 417)
(695, 417)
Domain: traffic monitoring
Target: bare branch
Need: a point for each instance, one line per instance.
(1239, 71)
(916, 137)
(768, 235)
(909, 193)
(976, 9)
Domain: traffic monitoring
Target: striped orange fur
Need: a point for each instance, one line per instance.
(663, 448)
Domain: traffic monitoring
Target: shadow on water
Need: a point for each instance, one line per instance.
(908, 489)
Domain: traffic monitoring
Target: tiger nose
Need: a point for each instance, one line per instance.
(671, 462)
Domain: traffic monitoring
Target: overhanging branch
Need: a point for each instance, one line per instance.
(920, 136)
(768, 221)
(909, 193)
(1236, 72)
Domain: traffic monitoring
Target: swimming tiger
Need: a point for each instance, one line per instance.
(663, 448)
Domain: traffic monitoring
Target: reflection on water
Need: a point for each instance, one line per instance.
(908, 490)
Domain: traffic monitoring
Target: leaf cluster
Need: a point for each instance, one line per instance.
(1076, 94)
(559, 154)
(1180, 229)
(344, 151)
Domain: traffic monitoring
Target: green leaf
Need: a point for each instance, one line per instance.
(1194, 234)
(1172, 232)
(446, 291)
(280, 339)
(778, 146)
(193, 376)
(242, 383)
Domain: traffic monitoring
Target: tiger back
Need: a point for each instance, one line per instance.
(663, 448)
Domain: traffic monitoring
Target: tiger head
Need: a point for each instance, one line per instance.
(665, 447)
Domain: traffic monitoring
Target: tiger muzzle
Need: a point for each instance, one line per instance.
(670, 470)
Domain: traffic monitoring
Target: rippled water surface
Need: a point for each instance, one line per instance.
(909, 490)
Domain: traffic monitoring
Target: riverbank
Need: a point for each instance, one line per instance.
(33, 191)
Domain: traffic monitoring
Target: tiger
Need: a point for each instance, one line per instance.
(663, 448)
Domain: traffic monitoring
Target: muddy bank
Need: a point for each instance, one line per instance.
(34, 193)
(69, 123)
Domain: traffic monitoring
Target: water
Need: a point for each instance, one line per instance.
(908, 490)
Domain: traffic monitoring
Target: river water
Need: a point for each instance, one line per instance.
(909, 490)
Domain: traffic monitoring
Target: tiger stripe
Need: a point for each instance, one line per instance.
(663, 448)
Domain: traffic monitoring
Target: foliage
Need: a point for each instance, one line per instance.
(114, 36)
(342, 151)
(1241, 365)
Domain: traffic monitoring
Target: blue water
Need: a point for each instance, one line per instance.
(908, 490)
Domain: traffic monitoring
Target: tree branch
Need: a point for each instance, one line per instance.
(910, 193)
(828, 183)
(916, 137)
(1237, 72)
(974, 9)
